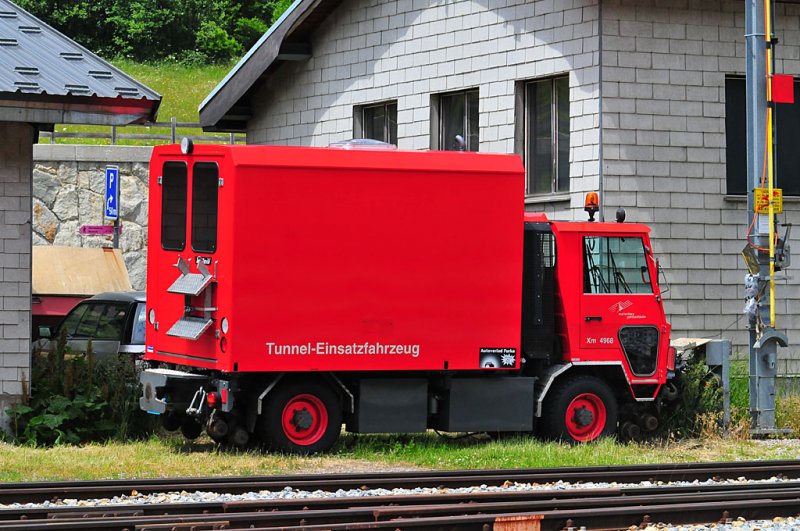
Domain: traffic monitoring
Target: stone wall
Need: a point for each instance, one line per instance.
(15, 262)
(68, 191)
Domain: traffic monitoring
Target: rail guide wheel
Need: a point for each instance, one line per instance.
(301, 418)
(580, 409)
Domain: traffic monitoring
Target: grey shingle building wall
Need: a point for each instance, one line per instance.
(664, 70)
(370, 51)
(15, 235)
(664, 65)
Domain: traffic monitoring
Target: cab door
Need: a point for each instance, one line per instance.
(622, 316)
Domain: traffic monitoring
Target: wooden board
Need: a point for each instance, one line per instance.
(78, 271)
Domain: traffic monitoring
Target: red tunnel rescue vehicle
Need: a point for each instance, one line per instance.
(292, 290)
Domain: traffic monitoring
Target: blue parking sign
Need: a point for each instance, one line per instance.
(112, 193)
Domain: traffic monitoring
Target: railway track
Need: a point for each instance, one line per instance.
(618, 504)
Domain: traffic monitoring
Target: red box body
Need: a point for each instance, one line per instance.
(347, 260)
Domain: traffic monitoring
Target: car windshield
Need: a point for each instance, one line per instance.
(137, 336)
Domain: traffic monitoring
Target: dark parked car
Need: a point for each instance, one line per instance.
(115, 322)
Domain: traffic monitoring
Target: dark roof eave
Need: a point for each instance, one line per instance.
(253, 66)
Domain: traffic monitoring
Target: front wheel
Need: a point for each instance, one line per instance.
(580, 409)
(301, 418)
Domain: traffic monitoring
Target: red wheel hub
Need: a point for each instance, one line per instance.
(586, 417)
(304, 419)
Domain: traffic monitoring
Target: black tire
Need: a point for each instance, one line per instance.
(191, 429)
(300, 418)
(579, 409)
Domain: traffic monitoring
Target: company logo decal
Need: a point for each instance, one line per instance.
(619, 307)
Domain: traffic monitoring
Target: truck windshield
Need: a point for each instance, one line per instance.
(615, 265)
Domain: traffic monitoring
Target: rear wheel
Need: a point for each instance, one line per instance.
(301, 418)
(581, 409)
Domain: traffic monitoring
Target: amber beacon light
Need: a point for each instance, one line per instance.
(591, 204)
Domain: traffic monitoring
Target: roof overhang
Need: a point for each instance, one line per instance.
(47, 78)
(44, 109)
(227, 107)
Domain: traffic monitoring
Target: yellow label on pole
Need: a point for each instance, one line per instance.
(762, 200)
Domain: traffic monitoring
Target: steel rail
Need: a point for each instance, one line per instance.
(552, 496)
(42, 491)
(619, 507)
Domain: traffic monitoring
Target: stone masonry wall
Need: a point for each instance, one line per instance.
(15, 262)
(664, 69)
(408, 50)
(68, 191)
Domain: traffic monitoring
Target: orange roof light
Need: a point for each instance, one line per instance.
(591, 204)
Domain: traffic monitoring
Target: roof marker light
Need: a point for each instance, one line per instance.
(187, 146)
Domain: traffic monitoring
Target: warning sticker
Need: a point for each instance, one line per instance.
(498, 358)
(762, 200)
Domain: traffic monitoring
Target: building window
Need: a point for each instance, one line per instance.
(546, 134)
(787, 121)
(455, 116)
(377, 122)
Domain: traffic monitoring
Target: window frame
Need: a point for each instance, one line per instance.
(438, 121)
(524, 133)
(360, 121)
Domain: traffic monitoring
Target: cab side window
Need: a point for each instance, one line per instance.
(71, 322)
(615, 265)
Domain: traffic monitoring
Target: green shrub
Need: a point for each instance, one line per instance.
(215, 43)
(249, 30)
(75, 399)
(698, 408)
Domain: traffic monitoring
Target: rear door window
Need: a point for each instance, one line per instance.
(173, 206)
(205, 187)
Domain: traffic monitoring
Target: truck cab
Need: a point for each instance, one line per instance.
(608, 321)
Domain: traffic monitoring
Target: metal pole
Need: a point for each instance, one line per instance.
(764, 339)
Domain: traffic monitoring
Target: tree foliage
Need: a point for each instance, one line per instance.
(154, 30)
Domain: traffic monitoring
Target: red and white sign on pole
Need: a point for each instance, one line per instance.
(97, 230)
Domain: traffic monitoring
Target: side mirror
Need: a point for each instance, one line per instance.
(45, 332)
(661, 276)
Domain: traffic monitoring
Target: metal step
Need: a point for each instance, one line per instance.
(190, 327)
(190, 284)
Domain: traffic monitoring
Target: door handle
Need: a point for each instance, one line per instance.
(593, 318)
